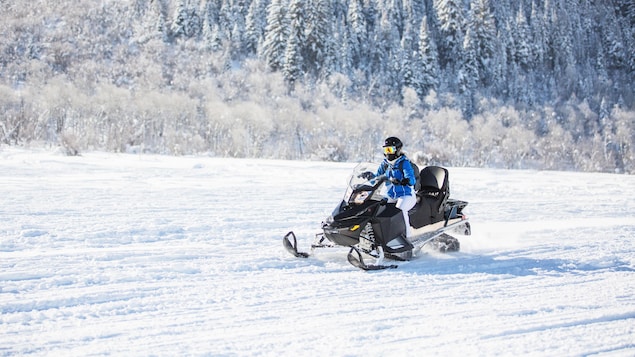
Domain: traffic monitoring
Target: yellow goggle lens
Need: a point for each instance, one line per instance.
(390, 150)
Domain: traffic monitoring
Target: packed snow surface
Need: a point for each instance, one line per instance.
(122, 254)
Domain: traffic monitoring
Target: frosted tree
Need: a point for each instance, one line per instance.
(600, 66)
(234, 12)
(468, 75)
(498, 70)
(411, 61)
(538, 34)
(318, 44)
(428, 59)
(358, 29)
(345, 53)
(338, 37)
(140, 7)
(210, 24)
(276, 34)
(411, 33)
(255, 26)
(161, 24)
(211, 10)
(180, 19)
(293, 59)
(582, 30)
(371, 64)
(565, 70)
(373, 15)
(484, 31)
(409, 72)
(144, 18)
(625, 138)
(520, 32)
(386, 57)
(414, 11)
(612, 41)
(186, 21)
(394, 9)
(629, 11)
(227, 17)
(211, 34)
(452, 24)
(559, 42)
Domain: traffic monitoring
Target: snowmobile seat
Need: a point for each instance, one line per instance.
(431, 197)
(435, 189)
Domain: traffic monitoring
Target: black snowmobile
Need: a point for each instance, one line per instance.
(370, 225)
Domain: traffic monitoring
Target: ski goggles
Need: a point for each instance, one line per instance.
(390, 150)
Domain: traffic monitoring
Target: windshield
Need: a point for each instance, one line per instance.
(355, 182)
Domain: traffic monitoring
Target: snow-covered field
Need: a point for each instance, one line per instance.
(136, 255)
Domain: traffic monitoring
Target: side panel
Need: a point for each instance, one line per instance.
(342, 236)
(390, 229)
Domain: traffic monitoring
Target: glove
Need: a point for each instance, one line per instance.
(403, 182)
(367, 175)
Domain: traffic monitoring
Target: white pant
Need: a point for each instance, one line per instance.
(405, 204)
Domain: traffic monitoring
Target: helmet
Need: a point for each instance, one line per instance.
(392, 148)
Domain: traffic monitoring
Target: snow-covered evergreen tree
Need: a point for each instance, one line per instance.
(468, 75)
(161, 16)
(539, 36)
(293, 58)
(387, 58)
(394, 10)
(255, 26)
(140, 7)
(414, 11)
(408, 65)
(452, 22)
(276, 34)
(318, 46)
(484, 31)
(521, 33)
(227, 17)
(428, 58)
(358, 38)
(212, 36)
(612, 41)
(186, 22)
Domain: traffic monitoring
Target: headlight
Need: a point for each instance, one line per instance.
(360, 197)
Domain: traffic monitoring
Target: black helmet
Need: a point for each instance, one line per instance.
(392, 148)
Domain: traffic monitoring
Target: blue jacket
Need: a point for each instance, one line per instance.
(399, 170)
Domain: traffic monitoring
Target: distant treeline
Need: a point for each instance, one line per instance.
(546, 84)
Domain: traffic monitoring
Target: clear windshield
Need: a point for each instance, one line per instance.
(356, 182)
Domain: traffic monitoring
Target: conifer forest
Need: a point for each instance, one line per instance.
(522, 84)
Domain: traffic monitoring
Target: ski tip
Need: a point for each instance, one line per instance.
(293, 247)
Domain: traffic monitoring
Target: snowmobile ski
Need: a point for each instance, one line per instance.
(293, 247)
(357, 261)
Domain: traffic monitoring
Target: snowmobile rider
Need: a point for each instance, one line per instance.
(400, 178)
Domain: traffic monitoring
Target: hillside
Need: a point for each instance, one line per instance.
(506, 84)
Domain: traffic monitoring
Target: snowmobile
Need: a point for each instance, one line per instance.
(372, 226)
